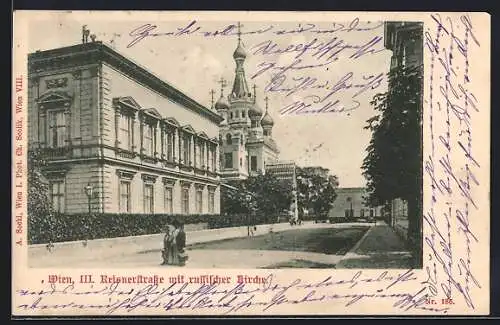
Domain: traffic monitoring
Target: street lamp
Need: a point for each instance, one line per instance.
(248, 198)
(351, 212)
(89, 190)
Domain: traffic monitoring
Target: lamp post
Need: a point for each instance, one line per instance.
(248, 198)
(351, 213)
(88, 190)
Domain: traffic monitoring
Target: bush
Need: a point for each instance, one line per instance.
(238, 220)
(64, 227)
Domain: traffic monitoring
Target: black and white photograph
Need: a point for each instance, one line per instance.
(250, 163)
(215, 144)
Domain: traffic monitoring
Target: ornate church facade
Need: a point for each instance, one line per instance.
(245, 134)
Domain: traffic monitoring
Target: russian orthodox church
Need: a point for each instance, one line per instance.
(246, 137)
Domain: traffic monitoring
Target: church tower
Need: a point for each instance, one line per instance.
(244, 149)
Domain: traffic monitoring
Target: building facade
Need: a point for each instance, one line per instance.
(246, 137)
(117, 138)
(350, 203)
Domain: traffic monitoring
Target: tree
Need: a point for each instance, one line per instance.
(392, 166)
(263, 194)
(273, 196)
(40, 211)
(316, 190)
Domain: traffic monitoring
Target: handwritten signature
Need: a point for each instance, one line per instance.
(228, 299)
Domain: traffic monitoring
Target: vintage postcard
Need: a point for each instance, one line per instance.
(250, 163)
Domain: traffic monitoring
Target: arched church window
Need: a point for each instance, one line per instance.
(231, 114)
(243, 114)
(229, 139)
(237, 114)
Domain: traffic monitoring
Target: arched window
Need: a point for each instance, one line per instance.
(243, 114)
(237, 114)
(229, 139)
(231, 114)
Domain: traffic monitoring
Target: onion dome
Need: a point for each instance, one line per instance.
(240, 52)
(222, 104)
(267, 120)
(255, 111)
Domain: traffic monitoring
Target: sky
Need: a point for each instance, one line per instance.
(276, 63)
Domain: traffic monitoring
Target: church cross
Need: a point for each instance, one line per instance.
(239, 32)
(267, 101)
(212, 92)
(223, 84)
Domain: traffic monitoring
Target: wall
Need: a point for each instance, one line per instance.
(341, 204)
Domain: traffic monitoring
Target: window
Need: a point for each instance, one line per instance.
(243, 114)
(185, 200)
(347, 213)
(148, 198)
(124, 196)
(202, 154)
(253, 163)
(241, 162)
(231, 114)
(214, 158)
(149, 140)
(229, 139)
(211, 202)
(266, 133)
(237, 114)
(198, 153)
(170, 146)
(199, 201)
(187, 152)
(228, 160)
(362, 213)
(57, 195)
(125, 132)
(57, 129)
(168, 199)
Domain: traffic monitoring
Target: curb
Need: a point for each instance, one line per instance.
(351, 253)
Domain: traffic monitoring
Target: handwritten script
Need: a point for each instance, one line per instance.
(309, 75)
(118, 299)
(450, 165)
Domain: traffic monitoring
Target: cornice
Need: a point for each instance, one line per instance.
(97, 52)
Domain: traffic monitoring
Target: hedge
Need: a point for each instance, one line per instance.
(64, 227)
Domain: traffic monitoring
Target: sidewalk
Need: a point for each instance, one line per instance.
(101, 249)
(380, 248)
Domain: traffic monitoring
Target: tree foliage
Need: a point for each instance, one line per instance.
(39, 208)
(392, 163)
(392, 166)
(316, 190)
(263, 194)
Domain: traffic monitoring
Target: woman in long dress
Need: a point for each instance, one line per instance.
(166, 244)
(173, 251)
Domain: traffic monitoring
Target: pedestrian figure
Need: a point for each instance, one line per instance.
(166, 244)
(173, 251)
(181, 245)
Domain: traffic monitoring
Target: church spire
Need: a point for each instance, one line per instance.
(240, 87)
(267, 121)
(222, 103)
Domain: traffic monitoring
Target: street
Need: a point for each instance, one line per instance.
(272, 247)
